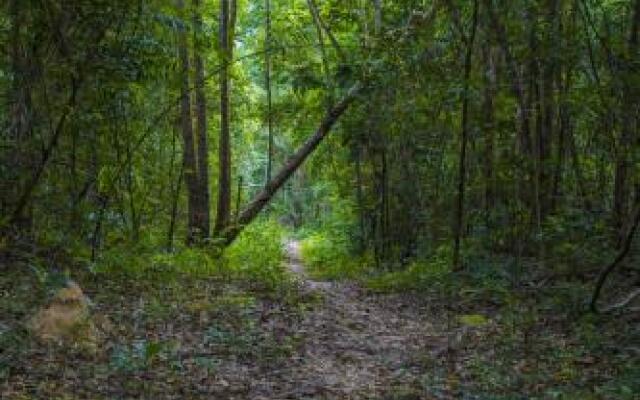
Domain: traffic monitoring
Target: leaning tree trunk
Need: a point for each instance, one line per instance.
(294, 162)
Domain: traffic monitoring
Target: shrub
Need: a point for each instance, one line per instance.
(419, 274)
(329, 257)
(257, 255)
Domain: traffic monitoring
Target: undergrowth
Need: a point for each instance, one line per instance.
(142, 289)
(329, 257)
(417, 275)
(256, 256)
(522, 323)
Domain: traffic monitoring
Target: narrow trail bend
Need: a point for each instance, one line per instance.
(357, 345)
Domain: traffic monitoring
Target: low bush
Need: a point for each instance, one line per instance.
(419, 274)
(256, 256)
(329, 257)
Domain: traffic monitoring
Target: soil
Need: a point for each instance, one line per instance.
(357, 345)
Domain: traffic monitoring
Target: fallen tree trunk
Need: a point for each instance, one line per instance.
(293, 163)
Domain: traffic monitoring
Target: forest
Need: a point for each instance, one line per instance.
(320, 199)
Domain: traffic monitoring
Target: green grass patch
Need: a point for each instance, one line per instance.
(257, 255)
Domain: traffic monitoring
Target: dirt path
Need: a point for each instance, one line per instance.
(294, 264)
(357, 346)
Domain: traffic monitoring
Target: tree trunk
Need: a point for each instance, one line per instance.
(175, 195)
(267, 78)
(547, 97)
(564, 75)
(224, 157)
(188, 145)
(360, 198)
(629, 118)
(17, 157)
(202, 217)
(384, 202)
(377, 18)
(462, 162)
(294, 162)
(489, 128)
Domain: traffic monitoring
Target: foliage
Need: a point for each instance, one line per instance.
(140, 355)
(419, 275)
(328, 257)
(520, 146)
(473, 320)
(258, 256)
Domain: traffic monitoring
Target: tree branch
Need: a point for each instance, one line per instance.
(626, 246)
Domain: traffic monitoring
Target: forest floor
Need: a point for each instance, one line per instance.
(212, 339)
(311, 339)
(358, 345)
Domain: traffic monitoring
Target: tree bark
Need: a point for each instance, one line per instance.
(202, 217)
(384, 202)
(564, 81)
(629, 118)
(17, 157)
(462, 162)
(360, 198)
(267, 79)
(186, 126)
(175, 195)
(224, 157)
(547, 131)
(377, 18)
(489, 127)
